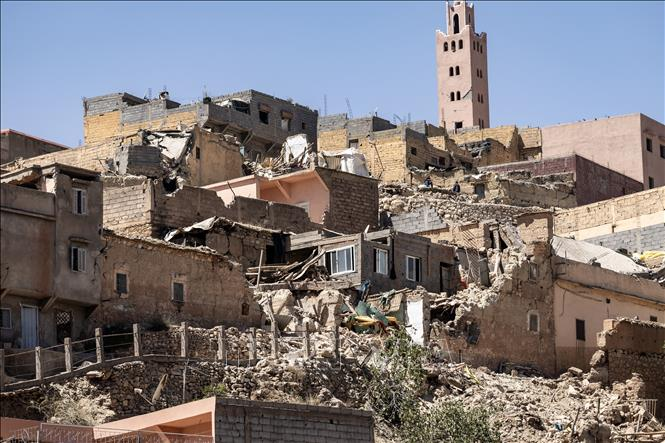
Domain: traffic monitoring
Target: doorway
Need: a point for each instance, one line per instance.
(29, 326)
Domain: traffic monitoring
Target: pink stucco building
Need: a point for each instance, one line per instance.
(633, 145)
(461, 70)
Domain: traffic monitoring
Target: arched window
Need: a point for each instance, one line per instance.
(481, 73)
(477, 73)
(474, 46)
(452, 45)
(481, 49)
(458, 96)
(450, 71)
(456, 70)
(456, 24)
(461, 44)
(445, 47)
(452, 96)
(478, 98)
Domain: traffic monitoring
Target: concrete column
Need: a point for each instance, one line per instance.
(273, 338)
(184, 340)
(99, 345)
(69, 358)
(221, 344)
(138, 350)
(39, 374)
(252, 344)
(307, 343)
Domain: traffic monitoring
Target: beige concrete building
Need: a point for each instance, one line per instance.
(461, 65)
(51, 222)
(633, 145)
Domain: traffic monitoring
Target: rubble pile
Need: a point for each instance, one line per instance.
(539, 409)
(398, 198)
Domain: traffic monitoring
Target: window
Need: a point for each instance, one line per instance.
(63, 325)
(533, 271)
(244, 309)
(381, 261)
(264, 117)
(353, 143)
(121, 283)
(303, 126)
(452, 96)
(662, 151)
(479, 190)
(652, 183)
(580, 333)
(653, 318)
(445, 47)
(649, 145)
(481, 49)
(457, 95)
(442, 161)
(79, 201)
(286, 120)
(412, 268)
(459, 125)
(341, 260)
(414, 151)
(456, 70)
(198, 153)
(533, 321)
(178, 294)
(474, 46)
(5, 318)
(478, 97)
(77, 256)
(455, 25)
(461, 44)
(450, 71)
(452, 46)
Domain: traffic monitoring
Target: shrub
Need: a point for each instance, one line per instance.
(216, 390)
(75, 403)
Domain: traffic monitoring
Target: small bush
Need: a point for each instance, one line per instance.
(216, 390)
(75, 403)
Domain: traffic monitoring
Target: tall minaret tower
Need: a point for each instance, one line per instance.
(461, 70)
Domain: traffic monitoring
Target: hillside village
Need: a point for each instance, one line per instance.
(240, 269)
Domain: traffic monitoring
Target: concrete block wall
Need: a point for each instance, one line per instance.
(127, 203)
(243, 420)
(650, 238)
(632, 211)
(422, 219)
(354, 201)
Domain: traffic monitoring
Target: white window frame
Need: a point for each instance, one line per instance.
(528, 321)
(81, 255)
(419, 270)
(335, 265)
(83, 209)
(11, 321)
(184, 291)
(378, 252)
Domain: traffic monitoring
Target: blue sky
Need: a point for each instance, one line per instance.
(549, 62)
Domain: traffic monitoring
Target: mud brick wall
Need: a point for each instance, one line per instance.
(127, 203)
(240, 421)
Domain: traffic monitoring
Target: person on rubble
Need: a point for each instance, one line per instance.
(428, 182)
(456, 188)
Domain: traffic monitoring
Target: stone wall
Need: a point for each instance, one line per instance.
(631, 346)
(241, 421)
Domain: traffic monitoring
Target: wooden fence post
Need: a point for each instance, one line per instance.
(221, 344)
(138, 350)
(307, 344)
(252, 344)
(69, 358)
(336, 342)
(2, 368)
(273, 339)
(184, 340)
(39, 373)
(99, 345)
